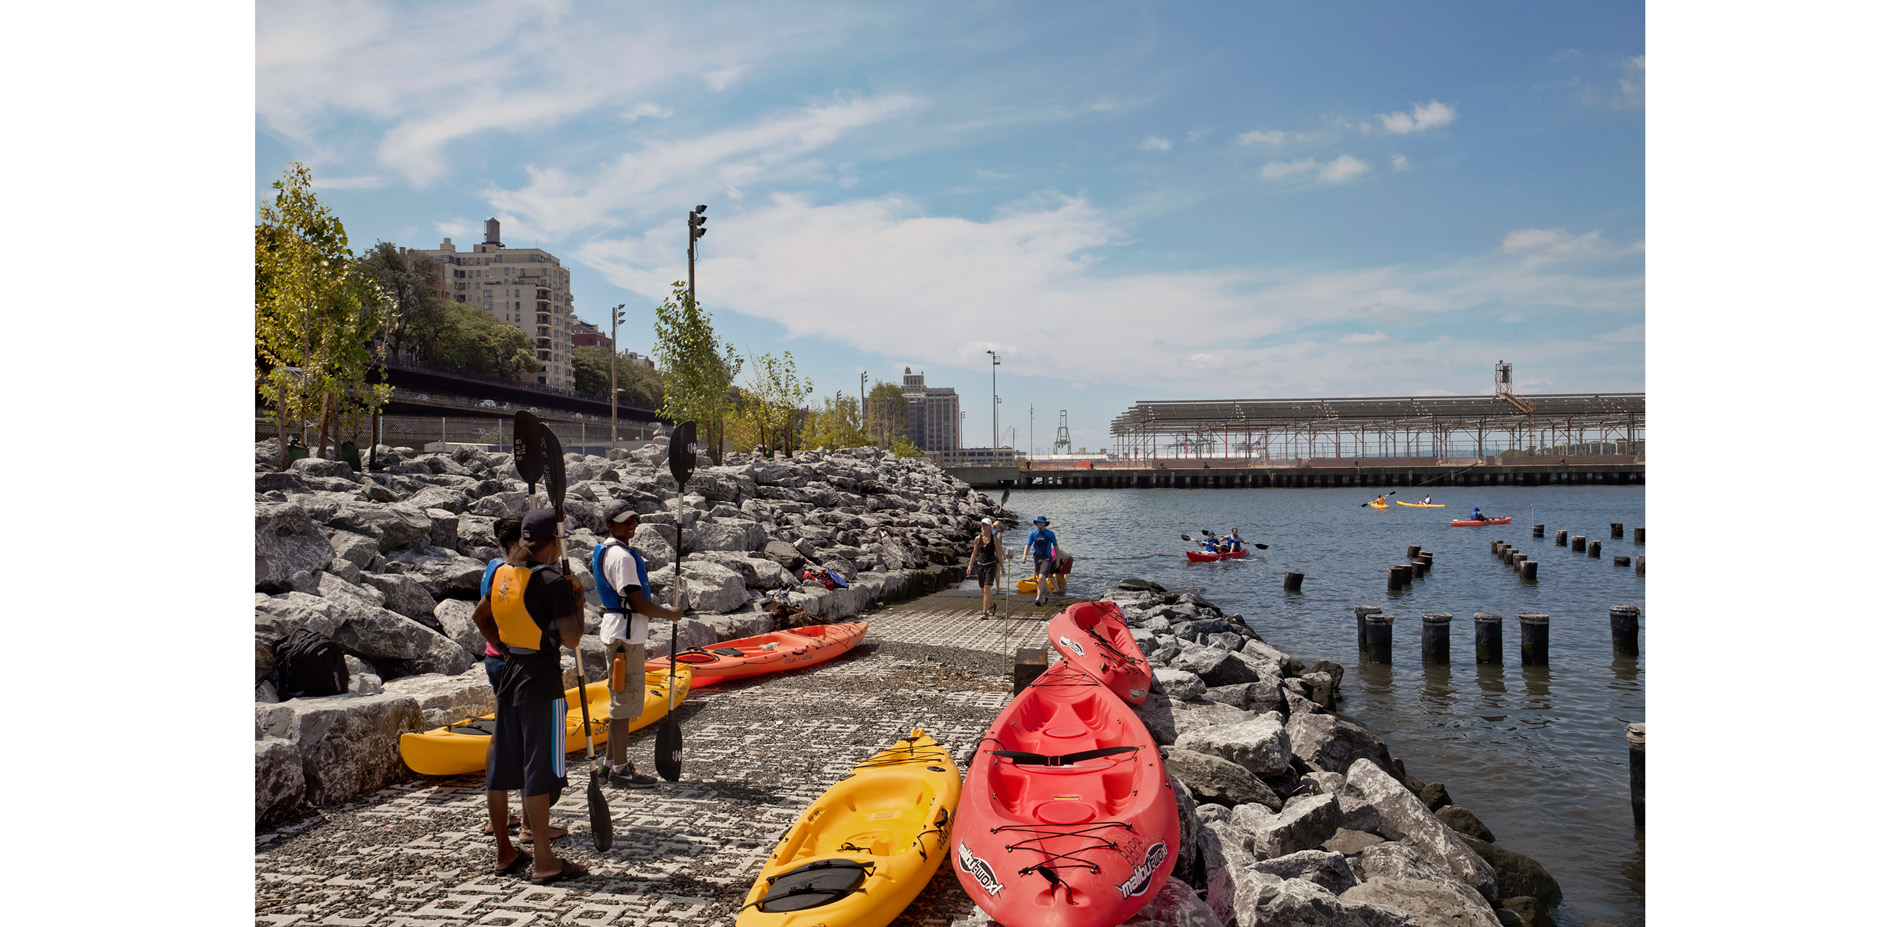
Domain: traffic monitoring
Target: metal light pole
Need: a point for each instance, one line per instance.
(1032, 431)
(613, 377)
(864, 409)
(695, 228)
(996, 434)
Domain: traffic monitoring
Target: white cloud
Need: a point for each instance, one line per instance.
(993, 175)
(1155, 143)
(724, 77)
(1280, 170)
(323, 182)
(1401, 163)
(1196, 135)
(1424, 116)
(646, 110)
(1268, 137)
(804, 265)
(1627, 333)
(1631, 84)
(1552, 245)
(1343, 168)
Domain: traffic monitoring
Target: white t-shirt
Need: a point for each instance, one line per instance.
(621, 572)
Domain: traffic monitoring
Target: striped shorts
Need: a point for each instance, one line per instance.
(530, 748)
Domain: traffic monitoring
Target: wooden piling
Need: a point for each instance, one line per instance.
(1359, 613)
(1528, 570)
(1596, 549)
(1419, 569)
(1426, 556)
(1379, 638)
(1563, 537)
(1620, 561)
(1490, 637)
(1639, 564)
(1623, 627)
(1537, 531)
(1435, 638)
(1534, 631)
(1292, 582)
(1576, 543)
(1616, 530)
(1030, 663)
(1639, 536)
(1636, 735)
(1411, 553)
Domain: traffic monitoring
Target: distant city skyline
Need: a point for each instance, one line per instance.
(1125, 202)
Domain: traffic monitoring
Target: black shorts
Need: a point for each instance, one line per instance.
(530, 748)
(1045, 566)
(986, 573)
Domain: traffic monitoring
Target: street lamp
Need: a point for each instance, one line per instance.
(617, 314)
(695, 229)
(996, 434)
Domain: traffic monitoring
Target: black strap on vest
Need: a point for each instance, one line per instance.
(1025, 758)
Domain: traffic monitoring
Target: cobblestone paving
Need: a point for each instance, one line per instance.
(756, 754)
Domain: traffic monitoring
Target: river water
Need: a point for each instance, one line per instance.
(1537, 753)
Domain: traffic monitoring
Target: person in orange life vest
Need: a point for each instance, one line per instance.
(507, 532)
(620, 576)
(531, 612)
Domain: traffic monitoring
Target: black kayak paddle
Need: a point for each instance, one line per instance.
(668, 743)
(599, 819)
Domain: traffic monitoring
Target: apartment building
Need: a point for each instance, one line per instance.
(525, 287)
(934, 413)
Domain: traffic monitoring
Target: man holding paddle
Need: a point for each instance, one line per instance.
(620, 576)
(533, 612)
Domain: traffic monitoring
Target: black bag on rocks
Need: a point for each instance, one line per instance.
(310, 664)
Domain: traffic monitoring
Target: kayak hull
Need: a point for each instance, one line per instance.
(1082, 843)
(1201, 556)
(1468, 523)
(1422, 505)
(1025, 587)
(447, 751)
(768, 653)
(1095, 638)
(893, 812)
(1378, 505)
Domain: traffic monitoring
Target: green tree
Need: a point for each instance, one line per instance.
(886, 414)
(773, 394)
(835, 426)
(903, 447)
(697, 369)
(410, 281)
(317, 315)
(469, 339)
(641, 383)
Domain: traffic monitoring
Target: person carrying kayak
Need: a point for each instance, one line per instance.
(984, 558)
(1042, 543)
(531, 613)
(623, 628)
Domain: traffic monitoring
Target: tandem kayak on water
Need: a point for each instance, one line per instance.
(1201, 556)
(462, 747)
(1468, 523)
(767, 653)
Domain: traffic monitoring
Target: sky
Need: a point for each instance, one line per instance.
(1125, 201)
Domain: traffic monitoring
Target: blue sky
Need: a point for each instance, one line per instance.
(1126, 201)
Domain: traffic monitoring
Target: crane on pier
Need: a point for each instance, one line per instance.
(1062, 446)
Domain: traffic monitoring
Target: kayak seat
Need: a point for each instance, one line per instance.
(478, 727)
(1065, 811)
(817, 883)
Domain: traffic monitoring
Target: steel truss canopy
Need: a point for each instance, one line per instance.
(1441, 426)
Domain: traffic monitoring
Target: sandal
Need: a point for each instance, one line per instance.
(521, 856)
(569, 870)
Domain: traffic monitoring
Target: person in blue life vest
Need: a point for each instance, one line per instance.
(1231, 542)
(1476, 515)
(620, 576)
(1210, 544)
(1041, 543)
(531, 612)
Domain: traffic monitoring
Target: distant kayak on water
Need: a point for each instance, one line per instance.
(1202, 556)
(1421, 505)
(1468, 523)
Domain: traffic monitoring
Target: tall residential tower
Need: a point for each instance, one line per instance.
(525, 287)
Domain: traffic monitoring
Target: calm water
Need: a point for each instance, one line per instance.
(1538, 754)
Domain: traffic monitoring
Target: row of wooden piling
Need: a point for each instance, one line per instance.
(1375, 635)
(1580, 544)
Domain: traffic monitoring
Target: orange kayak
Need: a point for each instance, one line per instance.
(767, 653)
(1468, 523)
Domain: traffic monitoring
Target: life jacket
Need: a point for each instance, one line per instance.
(610, 598)
(508, 600)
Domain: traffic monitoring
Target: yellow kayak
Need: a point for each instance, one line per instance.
(1421, 505)
(1377, 504)
(861, 853)
(462, 747)
(1025, 587)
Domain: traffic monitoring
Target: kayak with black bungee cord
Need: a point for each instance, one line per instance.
(461, 748)
(770, 652)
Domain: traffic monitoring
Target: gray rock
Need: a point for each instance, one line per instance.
(1211, 778)
(1398, 860)
(1518, 874)
(1157, 714)
(1333, 743)
(1299, 903)
(1403, 816)
(320, 467)
(266, 691)
(266, 659)
(1524, 909)
(1324, 868)
(1305, 823)
(1175, 905)
(345, 571)
(365, 684)
(304, 581)
(1460, 819)
(1234, 887)
(1187, 857)
(785, 555)
(359, 549)
(347, 744)
(1434, 795)
(731, 534)
(279, 781)
(1209, 813)
(1298, 704)
(1431, 904)
(1259, 744)
(1273, 662)
(287, 541)
(445, 573)
(376, 633)
(1322, 688)
(402, 594)
(709, 587)
(1347, 842)
(447, 699)
(1179, 684)
(279, 615)
(457, 618)
(393, 525)
(444, 527)
(1215, 666)
(758, 573)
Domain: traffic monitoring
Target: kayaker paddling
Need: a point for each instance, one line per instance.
(620, 576)
(532, 612)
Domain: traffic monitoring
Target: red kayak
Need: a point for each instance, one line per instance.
(1095, 637)
(767, 653)
(1066, 818)
(1468, 523)
(1201, 556)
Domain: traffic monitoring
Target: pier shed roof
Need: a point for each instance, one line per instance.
(1445, 411)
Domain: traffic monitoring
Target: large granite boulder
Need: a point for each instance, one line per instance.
(444, 573)
(287, 542)
(1176, 905)
(1259, 744)
(1299, 903)
(1326, 869)
(278, 615)
(1179, 684)
(393, 525)
(1518, 874)
(709, 587)
(731, 534)
(358, 549)
(402, 594)
(446, 699)
(1210, 778)
(457, 619)
(347, 743)
(1460, 819)
(279, 781)
(1403, 817)
(1304, 823)
(1332, 743)
(1215, 666)
(1430, 904)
